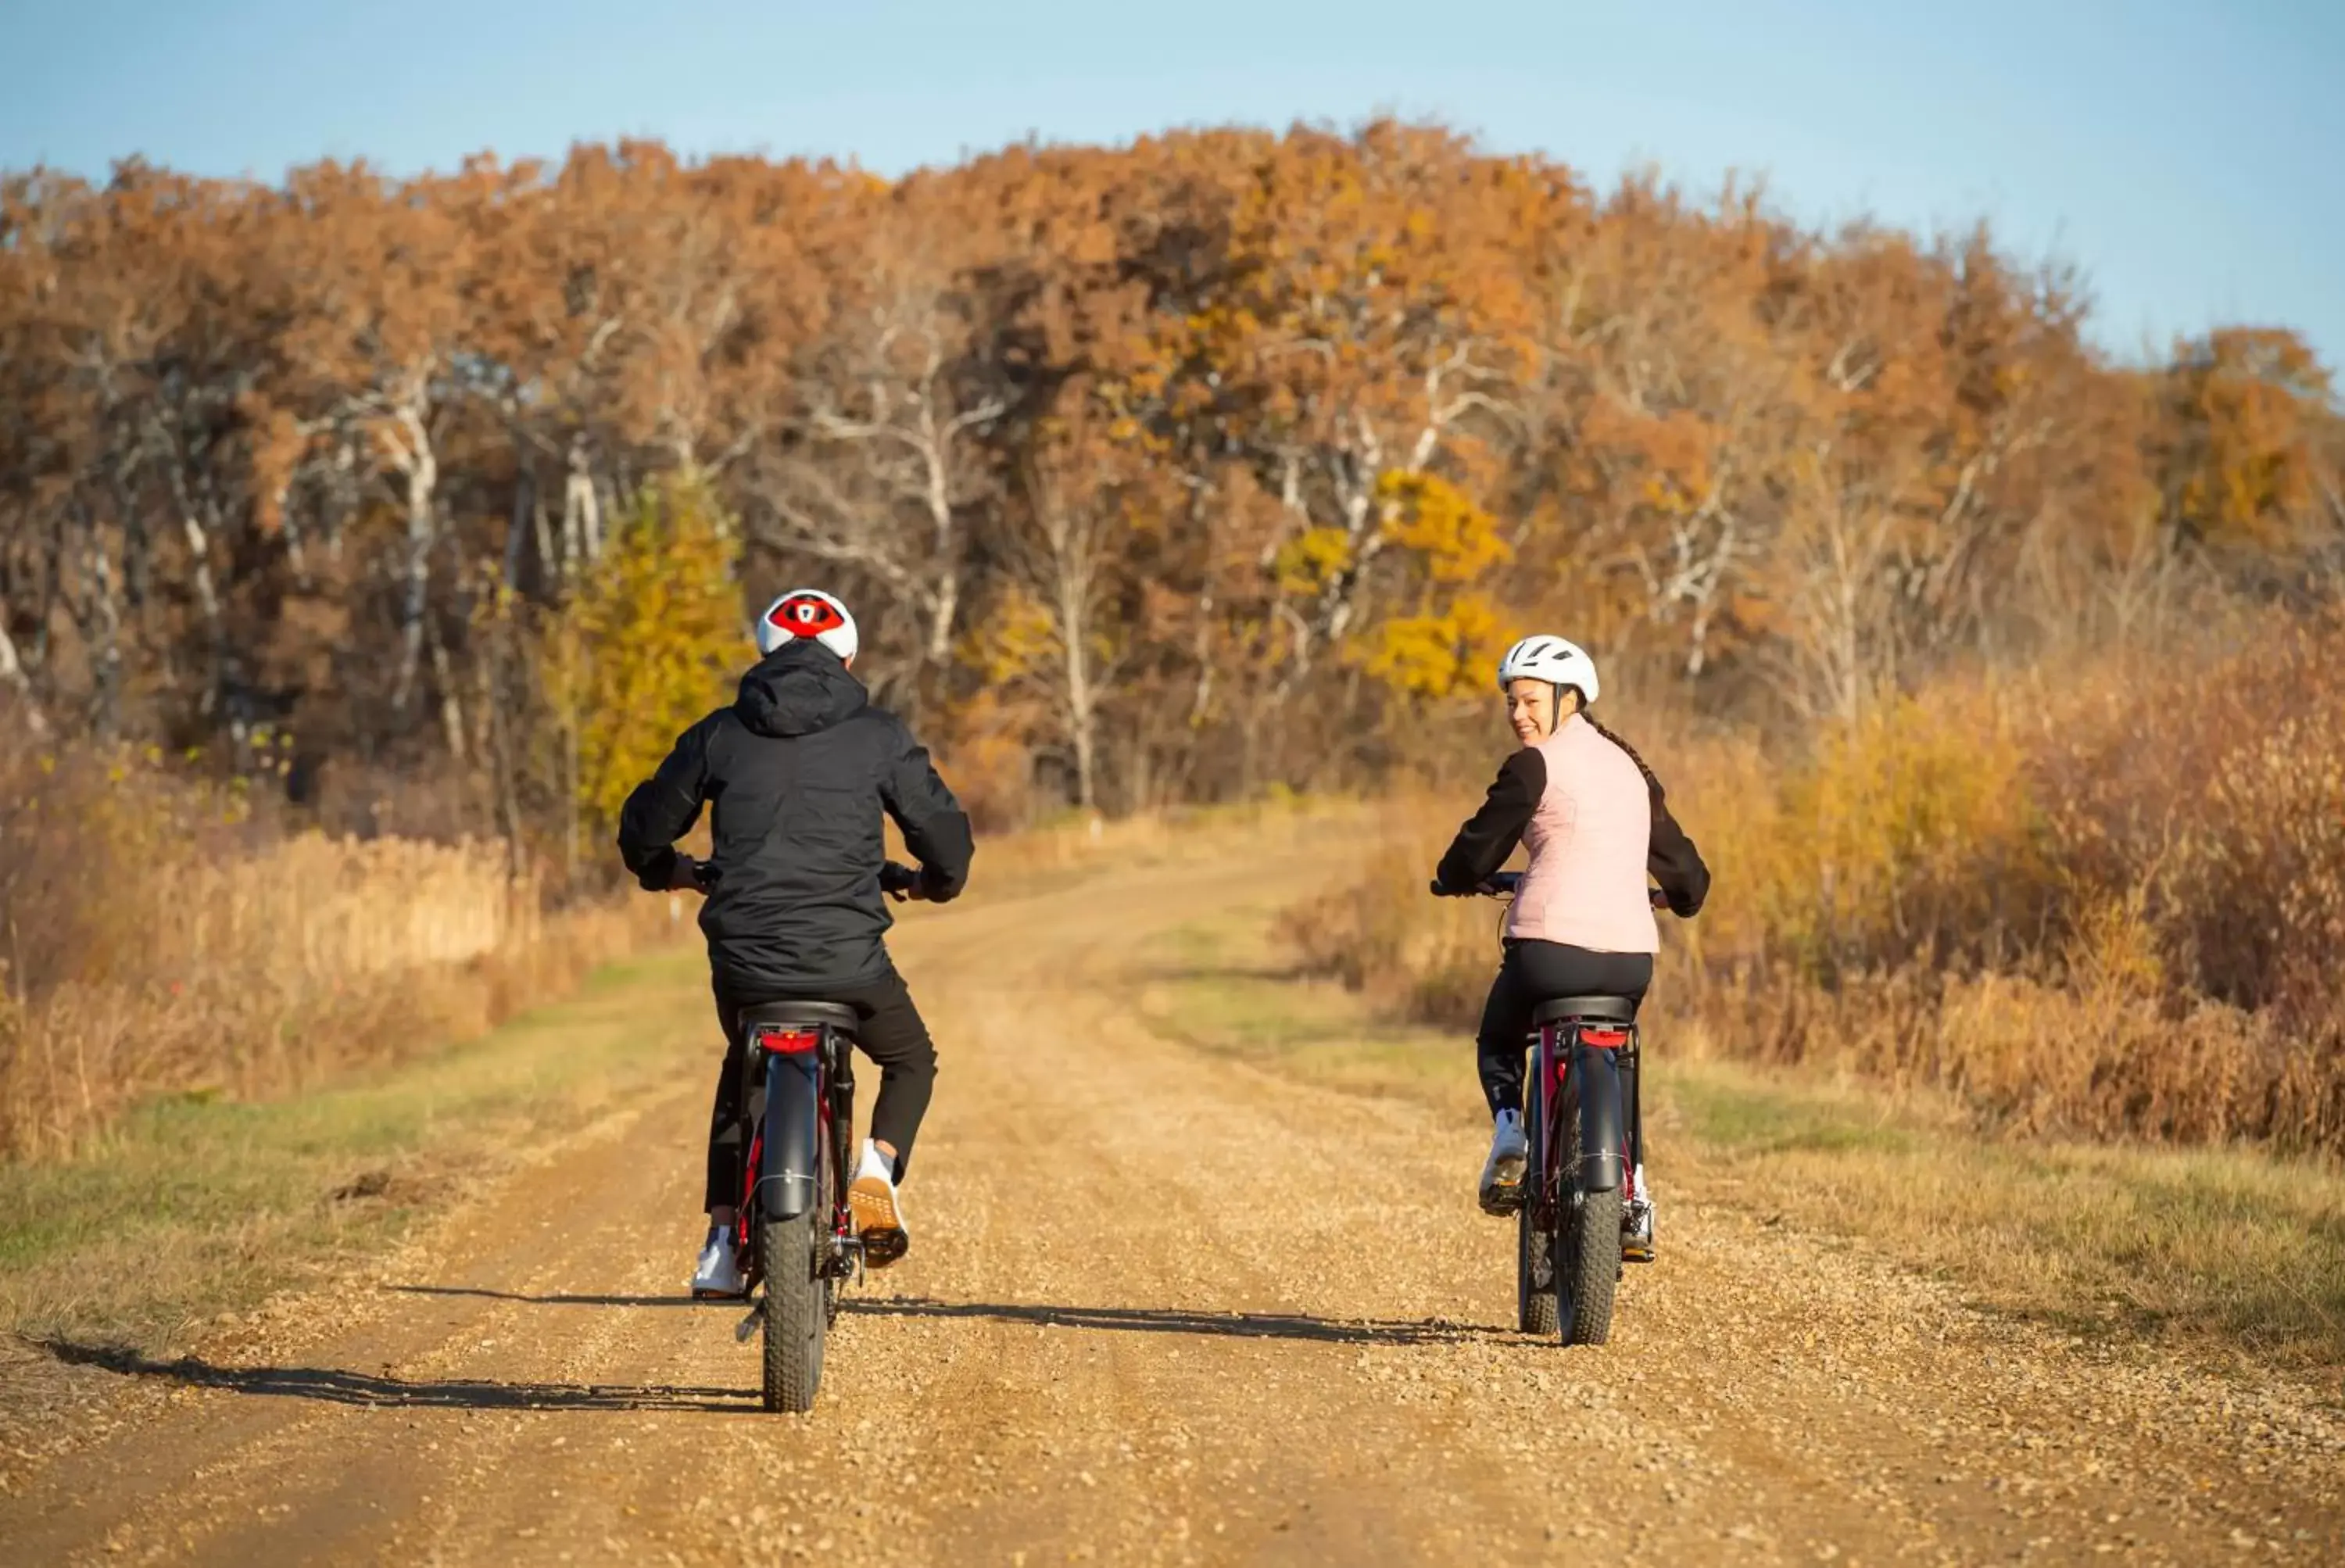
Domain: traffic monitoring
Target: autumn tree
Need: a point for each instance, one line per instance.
(2245, 455)
(648, 645)
(1159, 471)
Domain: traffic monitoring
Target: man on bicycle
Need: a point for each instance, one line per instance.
(798, 770)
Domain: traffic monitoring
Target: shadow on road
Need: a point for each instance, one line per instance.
(556, 1300)
(1139, 1319)
(336, 1386)
(1168, 1321)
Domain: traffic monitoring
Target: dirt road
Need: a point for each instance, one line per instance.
(1161, 1306)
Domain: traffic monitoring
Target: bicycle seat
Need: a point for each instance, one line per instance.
(1585, 1009)
(783, 1014)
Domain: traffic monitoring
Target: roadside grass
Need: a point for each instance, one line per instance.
(2228, 1254)
(192, 1207)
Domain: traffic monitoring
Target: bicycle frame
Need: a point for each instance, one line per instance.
(807, 1114)
(1579, 1066)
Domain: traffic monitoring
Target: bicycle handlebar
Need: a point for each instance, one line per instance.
(897, 880)
(1506, 884)
(1494, 884)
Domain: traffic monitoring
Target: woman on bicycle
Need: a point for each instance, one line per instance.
(1593, 815)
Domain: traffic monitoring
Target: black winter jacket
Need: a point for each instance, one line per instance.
(797, 771)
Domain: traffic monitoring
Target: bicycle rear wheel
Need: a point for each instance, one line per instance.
(1535, 1287)
(1588, 1237)
(798, 1307)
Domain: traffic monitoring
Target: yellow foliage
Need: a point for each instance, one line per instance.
(649, 644)
(1450, 642)
(1015, 642)
(1457, 540)
(1312, 559)
(1904, 833)
(1435, 656)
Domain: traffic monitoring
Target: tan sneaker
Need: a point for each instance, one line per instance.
(878, 1212)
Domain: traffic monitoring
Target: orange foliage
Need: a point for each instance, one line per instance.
(1275, 433)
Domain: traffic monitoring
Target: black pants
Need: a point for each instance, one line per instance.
(891, 1034)
(1536, 972)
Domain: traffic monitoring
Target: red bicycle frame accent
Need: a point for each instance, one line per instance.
(1554, 1068)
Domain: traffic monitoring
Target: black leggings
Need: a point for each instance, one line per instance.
(1536, 972)
(891, 1034)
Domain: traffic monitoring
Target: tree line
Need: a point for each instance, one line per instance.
(1170, 471)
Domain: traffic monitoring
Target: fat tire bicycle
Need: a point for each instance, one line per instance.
(1581, 1216)
(792, 1229)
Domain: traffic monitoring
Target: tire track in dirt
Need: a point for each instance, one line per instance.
(1166, 1307)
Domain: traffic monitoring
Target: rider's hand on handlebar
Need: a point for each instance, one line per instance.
(902, 883)
(1498, 884)
(685, 876)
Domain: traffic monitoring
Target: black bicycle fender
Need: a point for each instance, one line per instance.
(793, 1142)
(1603, 1133)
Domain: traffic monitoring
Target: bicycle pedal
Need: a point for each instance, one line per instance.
(1633, 1253)
(745, 1328)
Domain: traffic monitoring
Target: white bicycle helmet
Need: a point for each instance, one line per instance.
(810, 614)
(1553, 660)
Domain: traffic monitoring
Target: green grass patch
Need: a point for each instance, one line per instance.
(1739, 1114)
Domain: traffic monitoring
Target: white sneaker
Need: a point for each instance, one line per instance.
(1637, 1222)
(718, 1273)
(879, 1211)
(1502, 1173)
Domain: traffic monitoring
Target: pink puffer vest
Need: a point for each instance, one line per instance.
(1588, 842)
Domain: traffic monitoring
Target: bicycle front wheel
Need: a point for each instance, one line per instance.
(1588, 1230)
(798, 1304)
(1535, 1286)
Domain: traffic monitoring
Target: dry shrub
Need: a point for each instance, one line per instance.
(162, 941)
(2213, 801)
(985, 756)
(2031, 1057)
(1425, 958)
(2105, 901)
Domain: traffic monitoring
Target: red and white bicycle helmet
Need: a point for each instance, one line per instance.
(810, 614)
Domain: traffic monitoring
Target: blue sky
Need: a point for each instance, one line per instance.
(2190, 158)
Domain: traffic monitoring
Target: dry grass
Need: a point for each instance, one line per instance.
(163, 942)
(186, 1207)
(2104, 905)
